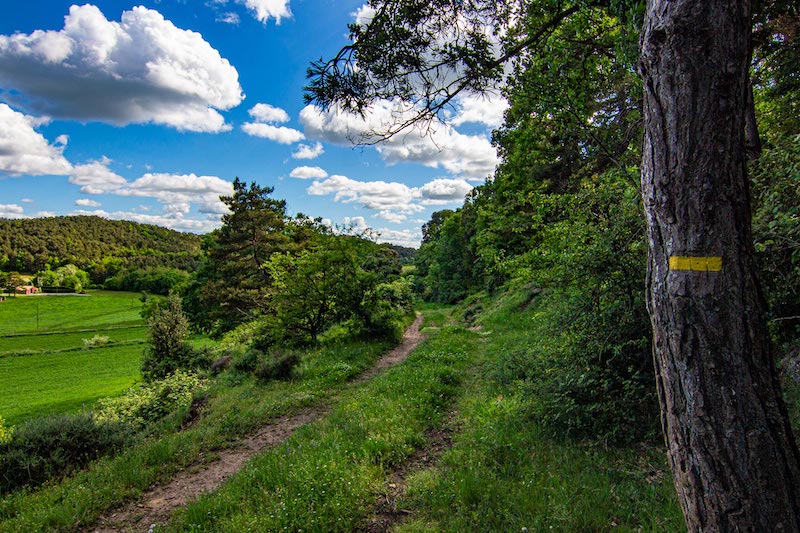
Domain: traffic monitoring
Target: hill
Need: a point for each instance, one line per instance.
(27, 245)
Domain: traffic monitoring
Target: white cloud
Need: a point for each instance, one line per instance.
(86, 202)
(392, 200)
(229, 18)
(268, 113)
(27, 200)
(176, 192)
(176, 221)
(402, 237)
(437, 146)
(25, 151)
(264, 9)
(377, 195)
(180, 190)
(96, 178)
(480, 110)
(364, 15)
(445, 189)
(11, 211)
(391, 216)
(305, 151)
(279, 134)
(139, 70)
(305, 173)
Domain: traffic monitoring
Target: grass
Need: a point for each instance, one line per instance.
(95, 310)
(328, 475)
(502, 473)
(57, 342)
(49, 383)
(51, 371)
(237, 405)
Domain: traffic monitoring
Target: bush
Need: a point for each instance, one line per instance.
(47, 447)
(248, 361)
(167, 349)
(94, 342)
(150, 402)
(277, 365)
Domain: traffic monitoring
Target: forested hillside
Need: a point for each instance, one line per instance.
(88, 242)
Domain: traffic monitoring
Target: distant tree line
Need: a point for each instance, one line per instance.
(100, 247)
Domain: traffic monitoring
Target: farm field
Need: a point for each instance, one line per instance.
(52, 371)
(95, 310)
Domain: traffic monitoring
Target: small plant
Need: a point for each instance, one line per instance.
(94, 342)
(5, 432)
(277, 365)
(152, 401)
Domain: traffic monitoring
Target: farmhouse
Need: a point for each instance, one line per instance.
(26, 289)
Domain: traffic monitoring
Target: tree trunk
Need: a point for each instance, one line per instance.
(734, 460)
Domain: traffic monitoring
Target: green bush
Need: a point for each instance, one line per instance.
(167, 349)
(152, 401)
(248, 361)
(43, 448)
(277, 365)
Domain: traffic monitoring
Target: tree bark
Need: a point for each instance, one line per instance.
(733, 456)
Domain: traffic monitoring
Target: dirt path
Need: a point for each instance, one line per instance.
(386, 513)
(156, 505)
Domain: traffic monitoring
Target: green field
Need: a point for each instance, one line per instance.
(52, 371)
(95, 310)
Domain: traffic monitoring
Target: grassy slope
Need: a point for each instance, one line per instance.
(237, 406)
(51, 372)
(502, 473)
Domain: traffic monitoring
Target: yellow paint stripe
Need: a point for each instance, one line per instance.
(698, 264)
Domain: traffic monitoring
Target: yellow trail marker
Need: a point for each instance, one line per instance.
(698, 264)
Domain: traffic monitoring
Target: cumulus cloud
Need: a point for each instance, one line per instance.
(446, 190)
(23, 150)
(263, 10)
(96, 178)
(86, 202)
(265, 116)
(480, 110)
(401, 237)
(305, 173)
(139, 70)
(392, 200)
(279, 134)
(177, 191)
(268, 113)
(377, 195)
(437, 146)
(176, 221)
(11, 211)
(305, 151)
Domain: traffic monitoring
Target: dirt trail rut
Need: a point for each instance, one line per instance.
(157, 504)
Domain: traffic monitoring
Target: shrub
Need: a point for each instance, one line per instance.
(43, 448)
(152, 401)
(277, 365)
(97, 340)
(167, 349)
(248, 361)
(5, 432)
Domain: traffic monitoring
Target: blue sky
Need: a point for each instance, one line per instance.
(147, 111)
